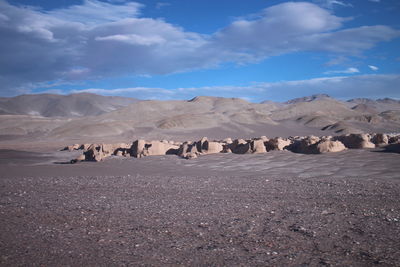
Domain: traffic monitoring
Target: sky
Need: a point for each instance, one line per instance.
(177, 49)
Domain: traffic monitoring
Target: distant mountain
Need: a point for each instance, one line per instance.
(361, 101)
(118, 118)
(308, 98)
(51, 105)
(388, 101)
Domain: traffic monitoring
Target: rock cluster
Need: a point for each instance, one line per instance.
(192, 149)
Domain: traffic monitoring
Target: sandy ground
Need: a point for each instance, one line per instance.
(273, 209)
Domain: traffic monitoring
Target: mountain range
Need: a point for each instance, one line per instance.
(97, 118)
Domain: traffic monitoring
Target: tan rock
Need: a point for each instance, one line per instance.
(257, 146)
(201, 144)
(228, 140)
(326, 146)
(277, 143)
(355, 140)
(212, 147)
(119, 153)
(137, 148)
(85, 146)
(380, 139)
(94, 153)
(157, 148)
(307, 145)
(188, 150)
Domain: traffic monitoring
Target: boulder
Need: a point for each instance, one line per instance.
(306, 145)
(188, 150)
(108, 149)
(157, 148)
(201, 144)
(72, 147)
(85, 146)
(395, 139)
(228, 140)
(314, 145)
(240, 146)
(326, 146)
(257, 146)
(94, 153)
(277, 143)
(212, 147)
(380, 139)
(119, 153)
(137, 148)
(355, 140)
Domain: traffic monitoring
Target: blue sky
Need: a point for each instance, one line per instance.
(177, 49)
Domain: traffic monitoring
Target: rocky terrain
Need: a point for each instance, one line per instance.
(190, 149)
(278, 209)
(318, 186)
(93, 118)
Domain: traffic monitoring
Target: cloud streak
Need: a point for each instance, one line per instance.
(96, 40)
(346, 71)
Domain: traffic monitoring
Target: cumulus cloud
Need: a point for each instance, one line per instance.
(344, 87)
(346, 71)
(374, 68)
(99, 39)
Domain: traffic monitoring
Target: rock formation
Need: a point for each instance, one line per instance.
(304, 145)
(277, 143)
(380, 139)
(356, 140)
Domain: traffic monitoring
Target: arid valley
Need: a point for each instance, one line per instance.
(324, 193)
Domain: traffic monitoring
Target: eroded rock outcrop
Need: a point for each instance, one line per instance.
(380, 139)
(189, 149)
(316, 145)
(277, 143)
(356, 140)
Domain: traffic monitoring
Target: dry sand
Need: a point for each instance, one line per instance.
(273, 209)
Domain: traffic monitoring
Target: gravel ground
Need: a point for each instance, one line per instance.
(277, 209)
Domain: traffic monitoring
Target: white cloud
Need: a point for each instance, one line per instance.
(98, 39)
(94, 12)
(346, 71)
(345, 87)
(376, 1)
(133, 39)
(332, 3)
(374, 68)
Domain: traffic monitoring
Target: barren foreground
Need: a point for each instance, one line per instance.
(278, 208)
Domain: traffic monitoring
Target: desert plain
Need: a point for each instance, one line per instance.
(278, 207)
